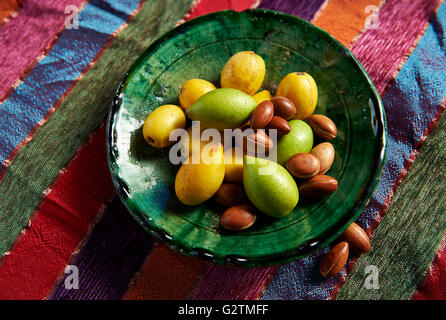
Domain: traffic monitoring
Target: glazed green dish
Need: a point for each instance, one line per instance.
(144, 177)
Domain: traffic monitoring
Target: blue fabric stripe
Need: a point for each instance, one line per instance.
(52, 76)
(410, 104)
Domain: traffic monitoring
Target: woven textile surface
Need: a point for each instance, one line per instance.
(58, 207)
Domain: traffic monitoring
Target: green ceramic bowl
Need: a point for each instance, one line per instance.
(144, 177)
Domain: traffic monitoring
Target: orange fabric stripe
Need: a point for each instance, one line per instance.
(167, 275)
(345, 19)
(8, 7)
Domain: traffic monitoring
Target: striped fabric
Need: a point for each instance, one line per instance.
(57, 203)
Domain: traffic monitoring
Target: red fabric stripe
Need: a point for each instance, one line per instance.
(65, 214)
(207, 6)
(433, 286)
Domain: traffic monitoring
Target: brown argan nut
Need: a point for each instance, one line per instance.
(280, 124)
(230, 194)
(334, 261)
(322, 126)
(303, 165)
(318, 186)
(238, 217)
(325, 152)
(254, 142)
(356, 238)
(284, 107)
(262, 115)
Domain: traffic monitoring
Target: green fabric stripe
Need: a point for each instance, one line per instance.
(39, 161)
(415, 219)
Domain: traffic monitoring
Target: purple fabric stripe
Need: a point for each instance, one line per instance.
(34, 28)
(234, 283)
(410, 103)
(115, 251)
(305, 9)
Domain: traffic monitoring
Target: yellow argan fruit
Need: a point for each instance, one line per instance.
(192, 90)
(261, 96)
(194, 142)
(197, 182)
(244, 71)
(160, 123)
(234, 165)
(300, 88)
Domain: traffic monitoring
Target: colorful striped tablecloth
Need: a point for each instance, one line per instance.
(59, 213)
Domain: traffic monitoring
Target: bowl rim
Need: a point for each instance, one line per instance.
(268, 259)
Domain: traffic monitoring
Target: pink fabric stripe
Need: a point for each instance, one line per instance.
(221, 283)
(381, 51)
(28, 36)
